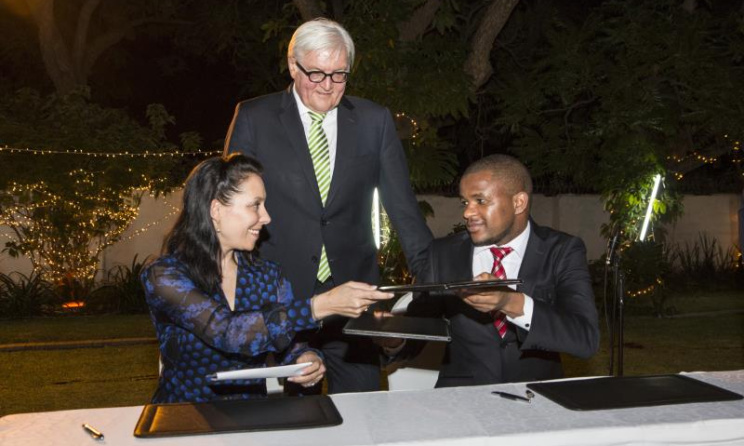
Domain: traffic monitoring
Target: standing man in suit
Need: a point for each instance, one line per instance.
(507, 335)
(324, 153)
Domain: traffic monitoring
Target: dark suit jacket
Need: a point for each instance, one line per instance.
(555, 275)
(369, 155)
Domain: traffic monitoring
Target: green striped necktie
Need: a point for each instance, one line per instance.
(318, 145)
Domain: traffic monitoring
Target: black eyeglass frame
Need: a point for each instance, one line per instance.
(310, 75)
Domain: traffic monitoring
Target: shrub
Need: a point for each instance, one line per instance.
(121, 291)
(647, 266)
(705, 264)
(23, 296)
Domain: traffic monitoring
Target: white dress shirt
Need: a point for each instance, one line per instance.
(329, 126)
(483, 263)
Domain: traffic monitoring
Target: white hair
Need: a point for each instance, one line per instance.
(321, 34)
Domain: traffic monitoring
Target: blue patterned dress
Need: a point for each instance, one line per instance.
(199, 335)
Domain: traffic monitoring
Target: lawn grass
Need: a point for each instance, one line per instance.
(659, 346)
(76, 328)
(35, 381)
(44, 380)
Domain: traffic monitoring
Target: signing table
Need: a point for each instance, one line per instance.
(458, 416)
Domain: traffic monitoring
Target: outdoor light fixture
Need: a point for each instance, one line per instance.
(376, 226)
(650, 208)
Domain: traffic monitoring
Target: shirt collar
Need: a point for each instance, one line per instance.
(518, 244)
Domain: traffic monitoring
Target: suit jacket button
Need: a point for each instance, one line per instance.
(314, 259)
(324, 222)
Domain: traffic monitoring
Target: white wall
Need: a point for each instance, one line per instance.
(581, 215)
(155, 219)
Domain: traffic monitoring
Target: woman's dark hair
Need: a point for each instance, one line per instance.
(193, 239)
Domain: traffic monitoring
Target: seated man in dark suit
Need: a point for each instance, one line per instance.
(507, 335)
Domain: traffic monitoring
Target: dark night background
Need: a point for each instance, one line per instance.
(200, 58)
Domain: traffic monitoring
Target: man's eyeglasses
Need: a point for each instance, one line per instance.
(316, 77)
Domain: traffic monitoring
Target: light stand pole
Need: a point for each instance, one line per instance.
(618, 317)
(616, 314)
(618, 284)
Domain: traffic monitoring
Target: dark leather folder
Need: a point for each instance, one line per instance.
(450, 286)
(261, 414)
(631, 391)
(404, 327)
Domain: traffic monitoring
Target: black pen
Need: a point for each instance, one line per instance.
(95, 433)
(510, 396)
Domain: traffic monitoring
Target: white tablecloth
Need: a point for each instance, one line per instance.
(458, 416)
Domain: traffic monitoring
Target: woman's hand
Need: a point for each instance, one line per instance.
(391, 346)
(350, 299)
(312, 374)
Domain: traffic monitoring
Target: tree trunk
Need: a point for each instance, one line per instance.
(478, 65)
(55, 54)
(309, 9)
(69, 67)
(419, 21)
(81, 38)
(741, 222)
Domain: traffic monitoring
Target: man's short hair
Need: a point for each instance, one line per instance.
(510, 171)
(321, 34)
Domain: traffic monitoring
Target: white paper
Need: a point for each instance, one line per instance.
(401, 305)
(261, 372)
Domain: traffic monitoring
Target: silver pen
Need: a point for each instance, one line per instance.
(94, 433)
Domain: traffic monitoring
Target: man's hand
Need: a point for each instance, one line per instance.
(312, 374)
(502, 299)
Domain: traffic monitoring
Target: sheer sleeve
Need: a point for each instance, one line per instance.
(298, 310)
(173, 295)
(300, 316)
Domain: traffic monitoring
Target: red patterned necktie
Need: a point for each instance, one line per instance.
(499, 318)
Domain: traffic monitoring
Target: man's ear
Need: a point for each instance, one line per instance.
(521, 201)
(292, 67)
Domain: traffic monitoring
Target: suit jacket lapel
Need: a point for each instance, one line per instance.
(347, 126)
(463, 266)
(531, 264)
(289, 116)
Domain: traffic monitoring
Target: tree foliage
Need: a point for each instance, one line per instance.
(595, 96)
(63, 209)
(605, 102)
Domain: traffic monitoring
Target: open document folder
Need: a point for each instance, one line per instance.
(422, 328)
(450, 286)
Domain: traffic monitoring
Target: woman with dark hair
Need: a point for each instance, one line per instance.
(216, 306)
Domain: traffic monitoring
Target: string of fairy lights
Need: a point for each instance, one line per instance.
(71, 249)
(414, 126)
(122, 154)
(127, 208)
(49, 252)
(100, 215)
(705, 159)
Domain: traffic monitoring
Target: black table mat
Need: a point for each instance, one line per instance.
(165, 420)
(631, 391)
